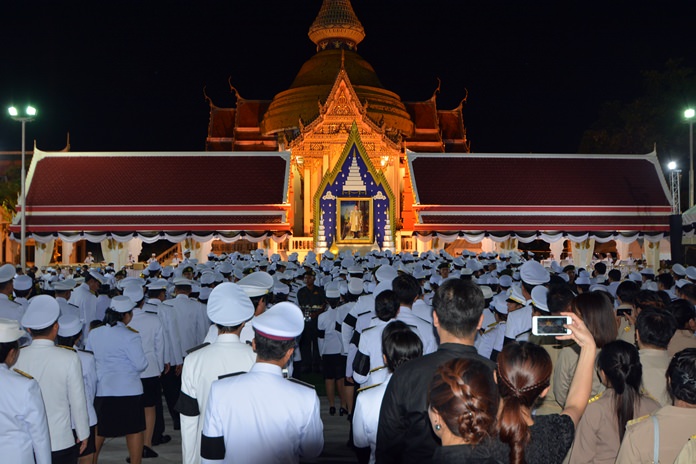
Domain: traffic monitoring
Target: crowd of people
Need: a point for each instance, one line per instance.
(432, 358)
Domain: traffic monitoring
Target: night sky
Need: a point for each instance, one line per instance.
(129, 75)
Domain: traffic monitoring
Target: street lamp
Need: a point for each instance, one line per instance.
(689, 116)
(28, 116)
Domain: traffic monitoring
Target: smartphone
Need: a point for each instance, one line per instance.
(550, 325)
(623, 311)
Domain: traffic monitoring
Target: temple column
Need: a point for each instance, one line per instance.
(306, 202)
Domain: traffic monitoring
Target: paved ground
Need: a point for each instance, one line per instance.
(336, 429)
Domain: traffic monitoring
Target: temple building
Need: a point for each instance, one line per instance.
(338, 161)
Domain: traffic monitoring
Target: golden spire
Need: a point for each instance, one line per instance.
(336, 26)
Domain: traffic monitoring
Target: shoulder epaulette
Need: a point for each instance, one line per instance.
(220, 377)
(595, 398)
(196, 348)
(491, 327)
(368, 328)
(23, 374)
(367, 388)
(151, 312)
(636, 420)
(627, 328)
(88, 352)
(73, 305)
(67, 348)
(131, 329)
(167, 303)
(492, 324)
(377, 369)
(299, 382)
(366, 312)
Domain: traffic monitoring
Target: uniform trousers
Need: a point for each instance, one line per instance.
(66, 456)
(171, 387)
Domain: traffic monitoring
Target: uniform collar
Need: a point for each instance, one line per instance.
(228, 338)
(42, 342)
(267, 368)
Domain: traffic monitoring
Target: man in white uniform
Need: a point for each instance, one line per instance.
(229, 308)
(85, 298)
(8, 308)
(25, 436)
(278, 419)
(59, 374)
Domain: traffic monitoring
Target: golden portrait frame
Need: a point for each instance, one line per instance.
(354, 221)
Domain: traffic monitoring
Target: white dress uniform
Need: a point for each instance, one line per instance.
(83, 298)
(366, 416)
(329, 325)
(59, 374)
(89, 378)
(492, 339)
(227, 355)
(188, 321)
(151, 334)
(120, 359)
(423, 310)
(172, 348)
(261, 418)
(519, 324)
(68, 308)
(23, 423)
(425, 331)
(10, 309)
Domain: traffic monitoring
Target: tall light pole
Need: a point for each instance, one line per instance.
(689, 115)
(28, 116)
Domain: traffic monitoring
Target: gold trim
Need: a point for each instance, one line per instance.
(329, 178)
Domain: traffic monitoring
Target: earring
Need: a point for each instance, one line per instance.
(438, 427)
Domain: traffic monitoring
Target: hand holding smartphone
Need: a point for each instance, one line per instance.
(550, 325)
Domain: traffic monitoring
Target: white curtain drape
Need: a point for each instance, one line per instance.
(67, 248)
(487, 245)
(556, 250)
(115, 252)
(43, 253)
(622, 249)
(135, 246)
(582, 253)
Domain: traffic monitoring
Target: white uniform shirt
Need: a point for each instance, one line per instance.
(202, 367)
(172, 347)
(59, 374)
(83, 298)
(426, 331)
(23, 421)
(329, 325)
(519, 324)
(492, 339)
(187, 321)
(366, 417)
(151, 333)
(89, 378)
(368, 361)
(423, 310)
(261, 418)
(10, 309)
(120, 359)
(68, 308)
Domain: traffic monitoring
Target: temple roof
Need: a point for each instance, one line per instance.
(494, 192)
(336, 22)
(193, 191)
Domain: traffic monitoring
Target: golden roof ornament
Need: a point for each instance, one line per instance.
(336, 26)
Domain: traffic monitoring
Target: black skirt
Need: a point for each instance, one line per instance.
(119, 415)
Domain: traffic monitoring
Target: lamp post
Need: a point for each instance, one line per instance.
(689, 116)
(28, 116)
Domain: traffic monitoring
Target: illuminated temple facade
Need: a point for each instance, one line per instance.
(334, 90)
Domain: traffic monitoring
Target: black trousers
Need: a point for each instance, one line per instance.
(309, 346)
(66, 456)
(171, 387)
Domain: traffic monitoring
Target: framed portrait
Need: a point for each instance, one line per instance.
(354, 222)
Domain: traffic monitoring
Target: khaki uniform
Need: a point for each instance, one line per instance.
(564, 371)
(681, 340)
(627, 332)
(676, 426)
(597, 434)
(655, 364)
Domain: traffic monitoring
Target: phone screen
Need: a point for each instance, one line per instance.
(549, 325)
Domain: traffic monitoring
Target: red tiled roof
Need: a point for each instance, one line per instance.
(539, 192)
(157, 191)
